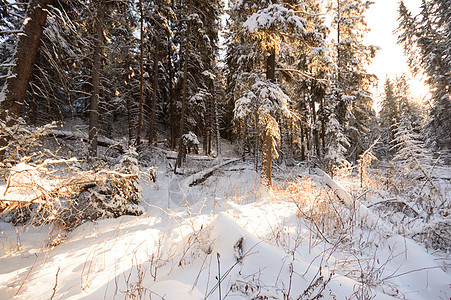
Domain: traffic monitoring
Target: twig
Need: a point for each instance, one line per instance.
(218, 256)
(230, 270)
(408, 272)
(56, 283)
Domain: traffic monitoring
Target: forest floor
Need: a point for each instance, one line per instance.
(227, 238)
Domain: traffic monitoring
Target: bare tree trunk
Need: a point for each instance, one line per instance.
(173, 139)
(153, 113)
(206, 128)
(267, 158)
(218, 135)
(129, 119)
(181, 146)
(209, 118)
(271, 65)
(314, 119)
(141, 73)
(266, 172)
(257, 142)
(245, 137)
(94, 107)
(302, 143)
(283, 144)
(323, 127)
(16, 85)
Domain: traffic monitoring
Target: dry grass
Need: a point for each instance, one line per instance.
(315, 204)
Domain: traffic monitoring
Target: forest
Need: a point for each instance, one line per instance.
(210, 149)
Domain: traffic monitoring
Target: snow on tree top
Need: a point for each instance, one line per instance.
(265, 96)
(275, 15)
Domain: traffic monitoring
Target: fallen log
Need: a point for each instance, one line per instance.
(362, 212)
(101, 141)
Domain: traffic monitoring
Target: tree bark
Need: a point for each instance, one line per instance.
(245, 137)
(181, 146)
(302, 142)
(314, 119)
(267, 158)
(94, 107)
(266, 171)
(16, 85)
(218, 135)
(141, 72)
(153, 113)
(173, 139)
(129, 119)
(323, 126)
(271, 65)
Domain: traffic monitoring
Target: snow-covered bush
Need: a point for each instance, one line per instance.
(190, 141)
(22, 144)
(59, 191)
(411, 151)
(121, 193)
(417, 162)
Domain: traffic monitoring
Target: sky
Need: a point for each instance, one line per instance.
(390, 60)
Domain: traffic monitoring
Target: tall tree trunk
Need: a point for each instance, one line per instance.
(266, 171)
(181, 147)
(209, 117)
(94, 107)
(283, 153)
(16, 85)
(256, 134)
(172, 112)
(218, 135)
(314, 125)
(271, 65)
(206, 128)
(153, 113)
(141, 73)
(302, 142)
(129, 119)
(323, 126)
(267, 154)
(245, 137)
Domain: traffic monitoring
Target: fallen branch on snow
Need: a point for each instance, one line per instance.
(362, 212)
(180, 191)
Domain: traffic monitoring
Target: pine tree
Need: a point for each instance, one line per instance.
(309, 88)
(427, 41)
(260, 33)
(337, 143)
(197, 37)
(411, 152)
(350, 98)
(389, 115)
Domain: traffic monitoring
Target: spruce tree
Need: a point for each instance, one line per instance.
(389, 115)
(350, 98)
(264, 37)
(196, 36)
(427, 41)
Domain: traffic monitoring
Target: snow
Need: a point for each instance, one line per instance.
(256, 242)
(190, 138)
(275, 16)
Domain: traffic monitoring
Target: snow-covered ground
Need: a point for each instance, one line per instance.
(226, 238)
